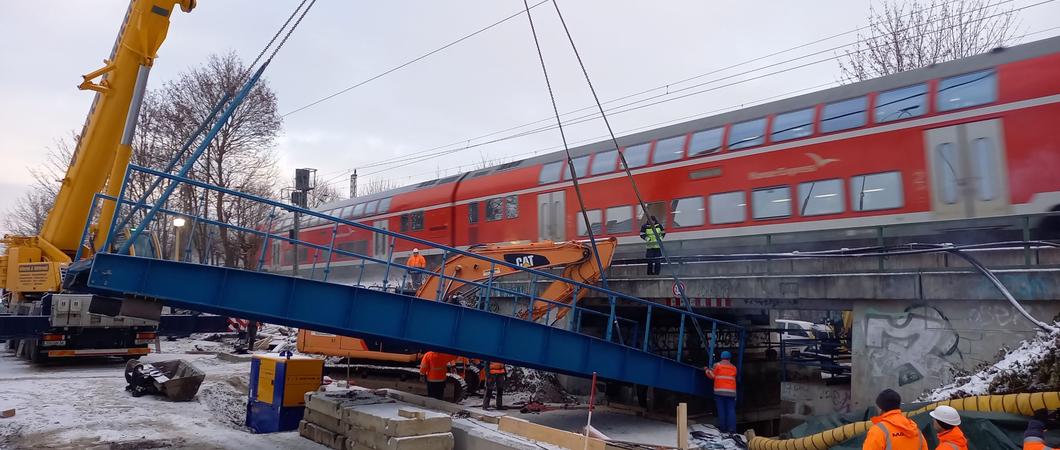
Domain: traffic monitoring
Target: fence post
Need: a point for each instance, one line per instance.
(331, 250)
(389, 261)
(713, 340)
(441, 276)
(681, 339)
(647, 330)
(1026, 239)
(489, 288)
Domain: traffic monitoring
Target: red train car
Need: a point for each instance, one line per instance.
(971, 138)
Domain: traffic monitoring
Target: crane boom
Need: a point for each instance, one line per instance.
(103, 149)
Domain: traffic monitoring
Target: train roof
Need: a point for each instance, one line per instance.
(996, 57)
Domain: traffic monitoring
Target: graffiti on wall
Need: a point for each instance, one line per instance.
(817, 398)
(916, 344)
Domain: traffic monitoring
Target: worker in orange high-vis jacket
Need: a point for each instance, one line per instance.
(724, 375)
(892, 430)
(435, 368)
(417, 264)
(495, 380)
(1034, 437)
(947, 425)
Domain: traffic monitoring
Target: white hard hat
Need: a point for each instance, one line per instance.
(946, 415)
(415, 250)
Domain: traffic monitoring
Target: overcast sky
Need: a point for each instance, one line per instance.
(485, 84)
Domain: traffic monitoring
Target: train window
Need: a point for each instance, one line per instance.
(821, 197)
(384, 205)
(359, 247)
(511, 207)
(656, 209)
(770, 203)
(947, 174)
(706, 141)
(620, 219)
(792, 125)
(844, 115)
(637, 155)
(472, 212)
(686, 212)
(747, 134)
(967, 90)
(667, 150)
(595, 218)
(604, 162)
(550, 172)
(728, 208)
(370, 208)
(876, 191)
(495, 208)
(581, 167)
(983, 154)
(358, 210)
(901, 103)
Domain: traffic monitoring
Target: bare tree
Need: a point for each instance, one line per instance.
(375, 186)
(27, 216)
(909, 34)
(241, 158)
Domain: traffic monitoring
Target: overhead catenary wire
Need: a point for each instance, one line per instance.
(650, 219)
(627, 96)
(406, 63)
(409, 160)
(631, 106)
(570, 165)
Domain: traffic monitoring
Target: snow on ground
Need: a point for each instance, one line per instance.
(1018, 369)
(84, 404)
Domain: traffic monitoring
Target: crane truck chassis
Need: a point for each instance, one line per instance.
(32, 270)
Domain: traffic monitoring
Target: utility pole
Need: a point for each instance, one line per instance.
(353, 184)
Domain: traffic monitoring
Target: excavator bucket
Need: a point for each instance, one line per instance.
(176, 379)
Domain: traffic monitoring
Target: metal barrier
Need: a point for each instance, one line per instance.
(633, 330)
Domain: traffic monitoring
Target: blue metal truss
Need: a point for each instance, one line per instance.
(358, 311)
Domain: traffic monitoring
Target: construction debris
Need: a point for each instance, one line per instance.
(1032, 367)
(7, 413)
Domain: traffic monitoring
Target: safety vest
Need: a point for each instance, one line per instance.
(725, 379)
(1035, 443)
(417, 261)
(946, 440)
(434, 366)
(653, 234)
(887, 437)
(496, 368)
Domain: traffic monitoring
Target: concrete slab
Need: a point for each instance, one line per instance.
(469, 434)
(332, 403)
(383, 418)
(321, 436)
(324, 421)
(379, 441)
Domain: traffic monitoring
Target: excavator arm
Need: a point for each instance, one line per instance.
(575, 257)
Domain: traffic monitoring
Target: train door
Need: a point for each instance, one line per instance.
(968, 170)
(551, 217)
(380, 240)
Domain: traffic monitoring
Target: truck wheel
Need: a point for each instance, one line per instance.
(35, 355)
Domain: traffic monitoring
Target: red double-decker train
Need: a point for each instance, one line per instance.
(967, 139)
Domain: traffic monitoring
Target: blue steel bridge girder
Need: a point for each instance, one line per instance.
(358, 311)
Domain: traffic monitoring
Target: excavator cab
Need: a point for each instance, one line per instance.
(146, 245)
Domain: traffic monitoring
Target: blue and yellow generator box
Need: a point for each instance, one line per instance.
(278, 383)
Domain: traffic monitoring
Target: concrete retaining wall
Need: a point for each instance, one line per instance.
(915, 346)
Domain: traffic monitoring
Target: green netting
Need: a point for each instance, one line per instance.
(984, 430)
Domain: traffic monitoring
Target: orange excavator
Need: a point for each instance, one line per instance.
(380, 364)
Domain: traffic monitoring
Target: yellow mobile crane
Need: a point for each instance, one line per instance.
(33, 265)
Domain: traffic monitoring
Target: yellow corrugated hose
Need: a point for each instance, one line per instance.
(1022, 404)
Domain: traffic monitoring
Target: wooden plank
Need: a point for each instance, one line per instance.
(547, 435)
(682, 426)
